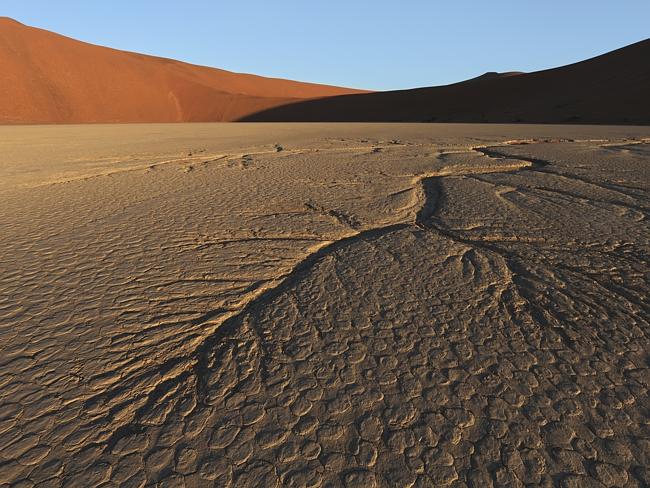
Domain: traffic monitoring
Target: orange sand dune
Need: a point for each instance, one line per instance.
(48, 78)
(610, 89)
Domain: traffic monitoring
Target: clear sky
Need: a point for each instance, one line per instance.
(376, 44)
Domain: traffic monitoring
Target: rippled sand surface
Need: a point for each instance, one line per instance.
(324, 305)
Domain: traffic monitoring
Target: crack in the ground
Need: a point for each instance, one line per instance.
(425, 220)
(428, 205)
(428, 193)
(289, 279)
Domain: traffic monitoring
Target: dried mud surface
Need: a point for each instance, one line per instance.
(324, 305)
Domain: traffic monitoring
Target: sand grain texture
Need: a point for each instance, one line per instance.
(372, 305)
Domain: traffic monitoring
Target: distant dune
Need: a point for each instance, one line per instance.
(610, 89)
(48, 78)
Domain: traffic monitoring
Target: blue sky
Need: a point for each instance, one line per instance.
(376, 44)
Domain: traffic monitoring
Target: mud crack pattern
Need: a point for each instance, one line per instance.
(483, 322)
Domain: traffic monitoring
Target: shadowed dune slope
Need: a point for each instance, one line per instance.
(48, 78)
(608, 89)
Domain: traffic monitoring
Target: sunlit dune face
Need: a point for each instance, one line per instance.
(49, 78)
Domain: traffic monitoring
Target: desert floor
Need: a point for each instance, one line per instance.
(333, 305)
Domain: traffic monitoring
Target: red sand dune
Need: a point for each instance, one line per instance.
(48, 78)
(610, 89)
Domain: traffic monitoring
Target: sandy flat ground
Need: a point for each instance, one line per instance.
(324, 305)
